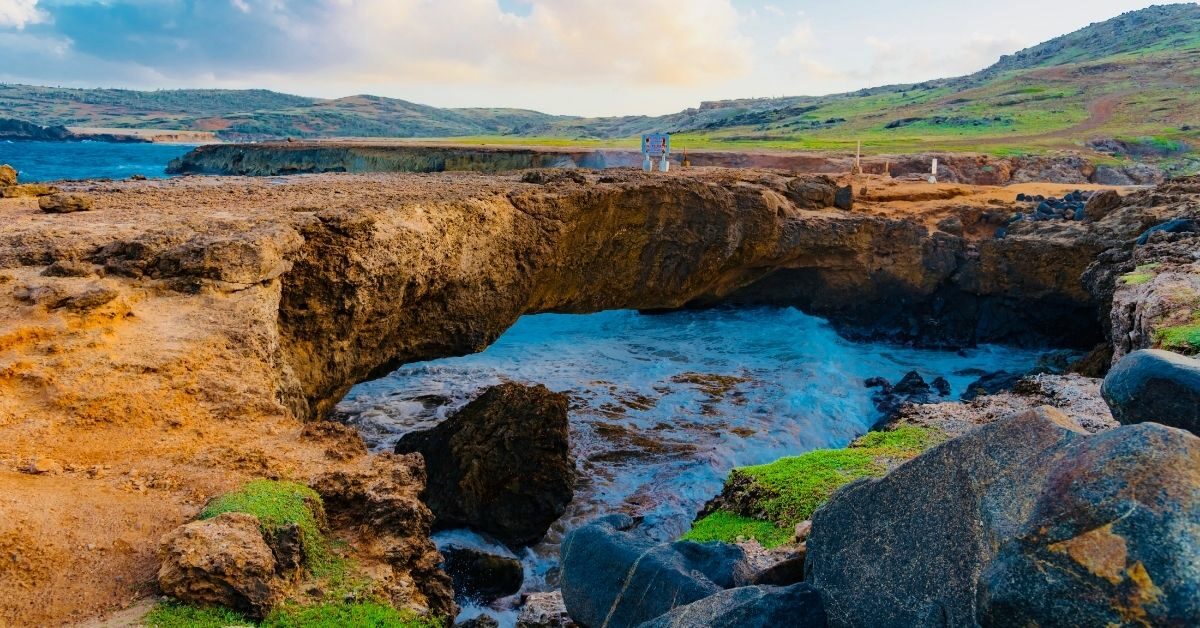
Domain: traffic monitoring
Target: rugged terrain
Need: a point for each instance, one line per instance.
(166, 345)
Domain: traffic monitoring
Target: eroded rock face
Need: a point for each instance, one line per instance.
(995, 524)
(1155, 386)
(378, 507)
(222, 561)
(501, 465)
(611, 577)
(8, 175)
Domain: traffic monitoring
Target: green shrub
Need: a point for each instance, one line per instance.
(279, 504)
(1182, 338)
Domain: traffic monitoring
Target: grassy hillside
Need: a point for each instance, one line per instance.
(1126, 88)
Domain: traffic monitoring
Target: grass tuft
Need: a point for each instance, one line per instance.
(339, 614)
(279, 504)
(172, 614)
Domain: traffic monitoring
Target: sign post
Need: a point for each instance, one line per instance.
(656, 146)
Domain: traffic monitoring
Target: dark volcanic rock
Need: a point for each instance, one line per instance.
(611, 577)
(991, 383)
(1000, 525)
(911, 388)
(482, 575)
(501, 465)
(844, 198)
(1155, 386)
(798, 606)
(1111, 540)
(1101, 204)
(1175, 225)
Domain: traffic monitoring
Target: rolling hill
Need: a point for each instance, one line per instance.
(1126, 88)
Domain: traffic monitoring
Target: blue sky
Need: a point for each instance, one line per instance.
(586, 57)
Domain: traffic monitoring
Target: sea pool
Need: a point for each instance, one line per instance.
(665, 405)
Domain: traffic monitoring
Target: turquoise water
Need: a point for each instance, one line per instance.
(647, 437)
(51, 161)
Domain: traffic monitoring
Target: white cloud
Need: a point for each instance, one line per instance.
(18, 13)
(661, 41)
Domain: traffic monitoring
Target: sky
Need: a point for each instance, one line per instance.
(578, 57)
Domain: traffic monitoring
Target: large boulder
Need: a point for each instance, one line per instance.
(501, 465)
(798, 606)
(8, 175)
(1155, 386)
(613, 577)
(1111, 539)
(958, 535)
(223, 561)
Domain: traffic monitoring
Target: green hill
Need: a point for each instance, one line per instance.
(1125, 88)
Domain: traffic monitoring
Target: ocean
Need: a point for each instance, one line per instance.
(53, 161)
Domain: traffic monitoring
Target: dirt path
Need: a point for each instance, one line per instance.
(1100, 111)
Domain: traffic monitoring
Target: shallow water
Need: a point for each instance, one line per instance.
(52, 161)
(665, 405)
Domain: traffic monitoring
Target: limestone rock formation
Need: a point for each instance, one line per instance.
(798, 605)
(222, 561)
(993, 525)
(1155, 386)
(501, 465)
(8, 175)
(611, 577)
(378, 506)
(65, 203)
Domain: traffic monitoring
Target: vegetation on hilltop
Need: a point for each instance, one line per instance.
(1132, 82)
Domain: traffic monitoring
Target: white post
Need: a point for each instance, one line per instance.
(647, 166)
(933, 172)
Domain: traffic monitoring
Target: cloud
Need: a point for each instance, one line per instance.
(18, 13)
(557, 42)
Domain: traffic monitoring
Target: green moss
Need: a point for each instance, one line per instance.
(726, 526)
(1182, 338)
(172, 614)
(793, 488)
(279, 504)
(339, 614)
(1141, 275)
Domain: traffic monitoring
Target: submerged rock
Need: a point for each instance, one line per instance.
(482, 575)
(501, 465)
(544, 610)
(999, 526)
(798, 605)
(611, 577)
(222, 561)
(1155, 386)
(911, 389)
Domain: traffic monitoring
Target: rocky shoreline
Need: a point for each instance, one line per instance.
(165, 345)
(308, 157)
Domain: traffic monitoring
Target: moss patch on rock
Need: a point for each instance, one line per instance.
(1182, 338)
(726, 526)
(277, 505)
(765, 502)
(1141, 275)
